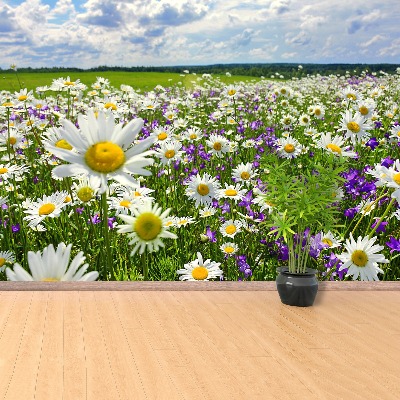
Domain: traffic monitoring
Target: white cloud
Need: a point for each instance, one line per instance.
(171, 32)
(375, 39)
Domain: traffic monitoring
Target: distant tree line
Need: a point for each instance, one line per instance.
(256, 70)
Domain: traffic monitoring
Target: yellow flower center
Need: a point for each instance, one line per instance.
(23, 97)
(105, 157)
(169, 153)
(334, 148)
(85, 194)
(229, 249)
(110, 105)
(289, 148)
(351, 96)
(69, 83)
(359, 258)
(137, 194)
(245, 175)
(283, 91)
(3, 170)
(230, 192)
(148, 226)
(363, 110)
(63, 144)
(217, 146)
(230, 229)
(2, 261)
(200, 273)
(327, 241)
(67, 199)
(317, 111)
(12, 141)
(7, 104)
(125, 203)
(231, 92)
(193, 136)
(396, 178)
(162, 136)
(287, 121)
(203, 189)
(29, 123)
(39, 106)
(46, 209)
(50, 280)
(353, 126)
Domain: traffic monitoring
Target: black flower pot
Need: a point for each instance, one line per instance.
(297, 289)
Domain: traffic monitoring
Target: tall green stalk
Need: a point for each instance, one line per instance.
(107, 250)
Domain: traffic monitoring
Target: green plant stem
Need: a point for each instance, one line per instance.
(363, 215)
(107, 249)
(145, 267)
(382, 218)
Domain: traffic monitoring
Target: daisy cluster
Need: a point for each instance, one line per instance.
(149, 185)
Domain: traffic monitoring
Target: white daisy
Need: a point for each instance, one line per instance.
(218, 144)
(207, 212)
(169, 151)
(193, 134)
(234, 192)
(329, 240)
(86, 188)
(229, 248)
(8, 171)
(52, 266)
(6, 257)
(334, 145)
(162, 133)
(183, 221)
(362, 259)
(47, 207)
(199, 270)
(395, 133)
(355, 126)
(289, 147)
(104, 149)
(202, 189)
(230, 228)
(244, 173)
(146, 227)
(318, 111)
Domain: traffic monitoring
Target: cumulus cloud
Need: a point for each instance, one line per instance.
(364, 20)
(171, 32)
(279, 6)
(105, 13)
(299, 39)
(7, 18)
(373, 40)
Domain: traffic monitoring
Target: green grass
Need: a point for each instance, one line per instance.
(145, 81)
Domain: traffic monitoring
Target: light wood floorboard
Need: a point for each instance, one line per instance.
(198, 345)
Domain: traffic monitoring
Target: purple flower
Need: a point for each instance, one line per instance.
(95, 219)
(334, 262)
(393, 244)
(381, 227)
(15, 228)
(372, 143)
(212, 236)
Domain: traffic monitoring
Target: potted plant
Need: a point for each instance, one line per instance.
(302, 193)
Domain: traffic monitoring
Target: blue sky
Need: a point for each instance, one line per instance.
(71, 33)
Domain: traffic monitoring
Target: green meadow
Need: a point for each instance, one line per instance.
(144, 81)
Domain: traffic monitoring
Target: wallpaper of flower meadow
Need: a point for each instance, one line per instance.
(105, 183)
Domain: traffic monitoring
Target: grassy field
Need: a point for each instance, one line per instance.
(145, 81)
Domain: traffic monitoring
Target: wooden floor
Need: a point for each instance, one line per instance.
(198, 344)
